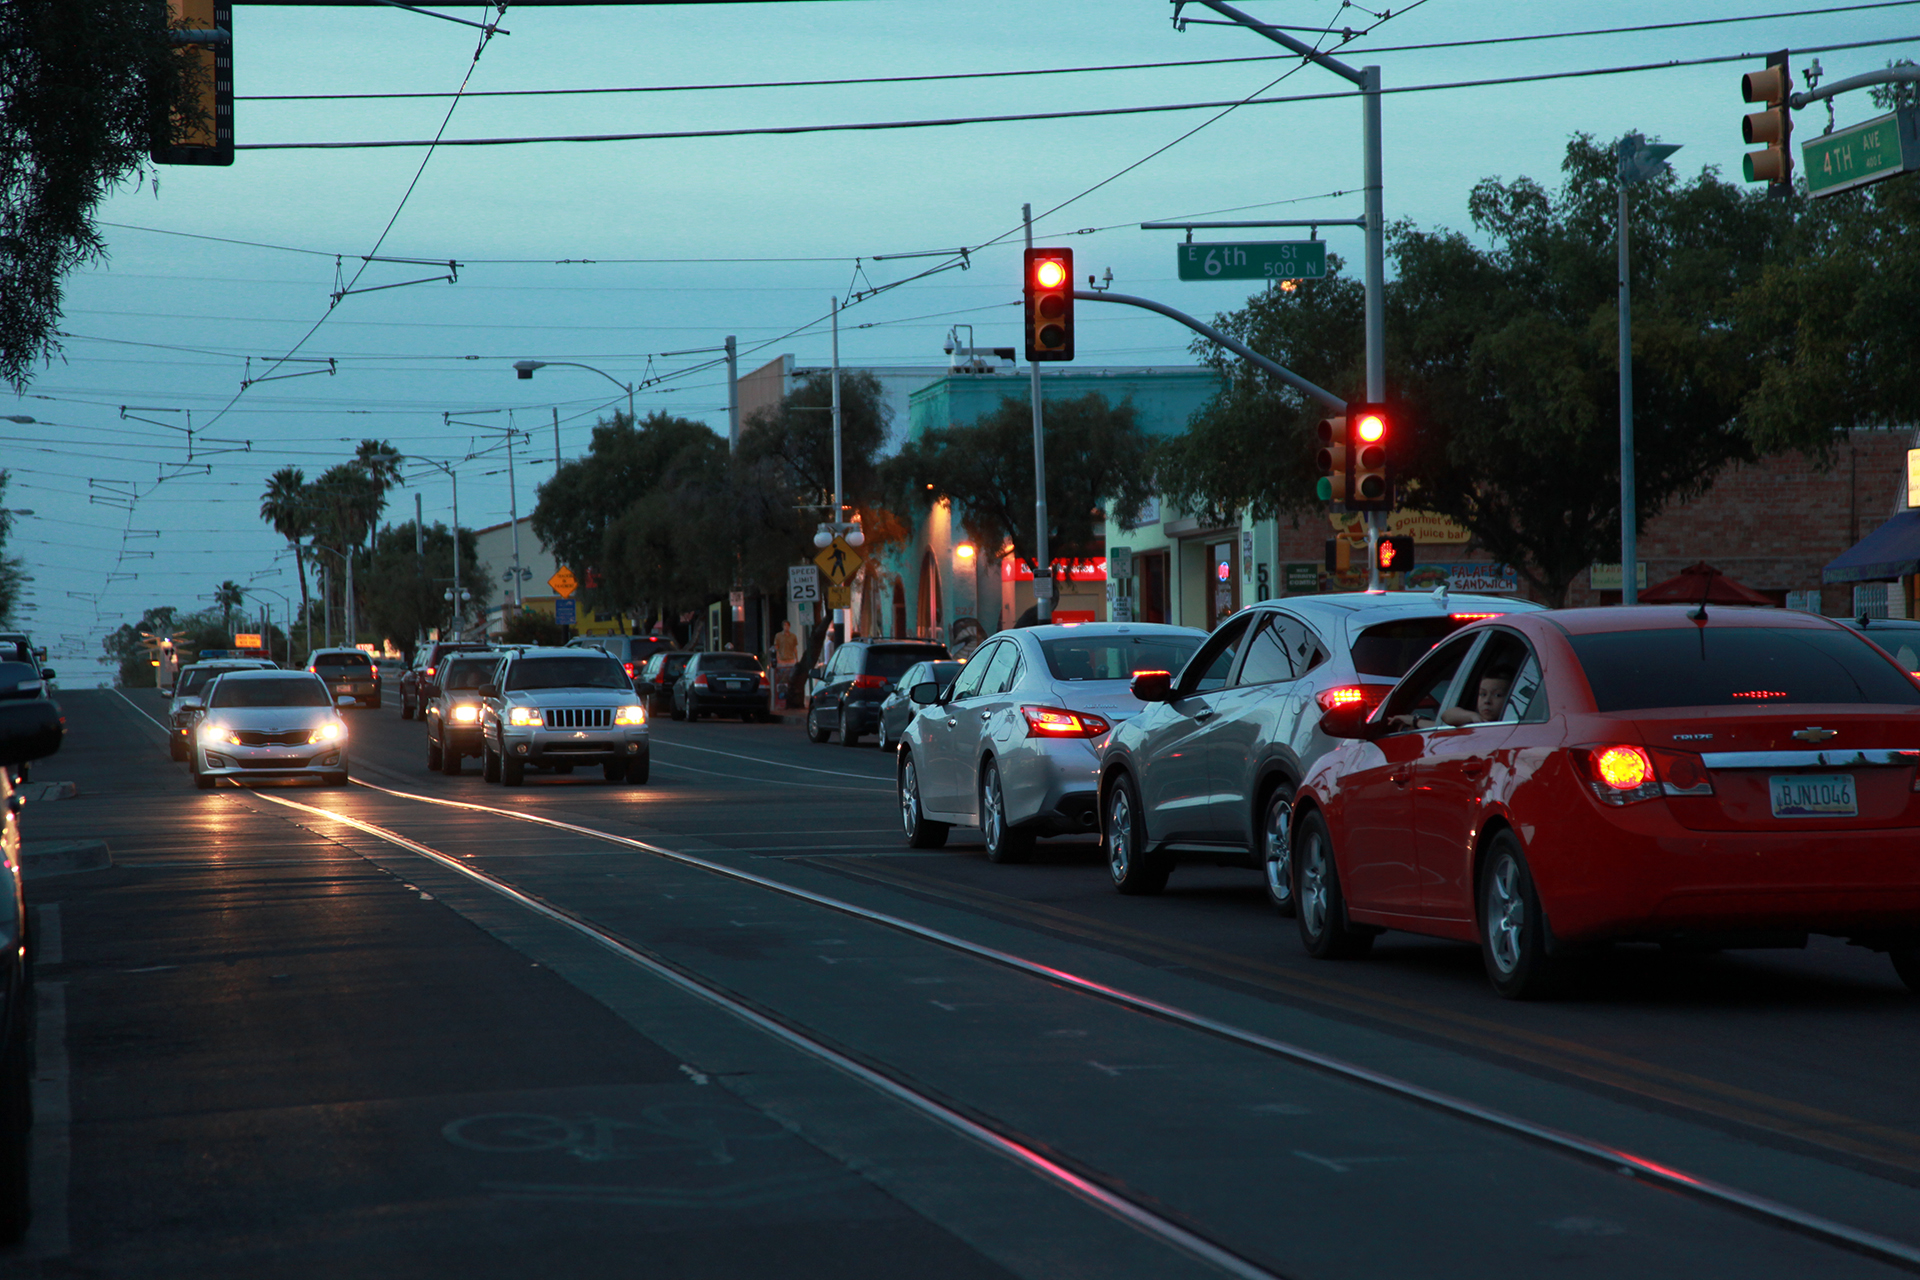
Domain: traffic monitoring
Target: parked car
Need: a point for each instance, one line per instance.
(350, 674)
(30, 729)
(723, 683)
(1899, 637)
(269, 724)
(454, 712)
(850, 687)
(1544, 782)
(189, 686)
(24, 682)
(417, 681)
(631, 652)
(1208, 771)
(655, 681)
(554, 709)
(1012, 745)
(896, 709)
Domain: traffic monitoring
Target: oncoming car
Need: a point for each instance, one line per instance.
(188, 687)
(553, 709)
(453, 712)
(269, 724)
(1545, 782)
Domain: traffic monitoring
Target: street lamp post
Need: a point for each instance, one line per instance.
(456, 593)
(524, 369)
(1640, 161)
(348, 622)
(266, 621)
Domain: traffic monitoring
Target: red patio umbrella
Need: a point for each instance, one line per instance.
(1698, 581)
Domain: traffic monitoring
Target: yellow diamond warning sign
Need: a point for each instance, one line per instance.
(839, 562)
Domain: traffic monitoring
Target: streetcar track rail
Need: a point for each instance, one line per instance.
(1590, 1151)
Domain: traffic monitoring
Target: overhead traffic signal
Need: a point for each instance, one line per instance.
(1369, 432)
(1772, 128)
(1394, 553)
(1049, 294)
(203, 132)
(1332, 460)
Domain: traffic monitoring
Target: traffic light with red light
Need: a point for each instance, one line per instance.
(1333, 460)
(1049, 294)
(1369, 438)
(205, 136)
(1394, 553)
(1772, 128)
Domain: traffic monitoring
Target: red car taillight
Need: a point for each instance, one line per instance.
(1619, 775)
(1368, 695)
(1047, 722)
(629, 667)
(764, 682)
(376, 673)
(429, 673)
(1682, 773)
(869, 682)
(700, 681)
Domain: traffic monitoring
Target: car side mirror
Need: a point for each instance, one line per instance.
(926, 693)
(818, 673)
(1352, 720)
(489, 690)
(1152, 686)
(46, 673)
(29, 731)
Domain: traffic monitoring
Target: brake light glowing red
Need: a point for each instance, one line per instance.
(1476, 617)
(1760, 694)
(1346, 695)
(429, 672)
(629, 667)
(869, 682)
(1049, 722)
(763, 680)
(1623, 768)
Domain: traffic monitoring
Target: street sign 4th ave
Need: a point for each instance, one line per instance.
(1866, 152)
(1265, 260)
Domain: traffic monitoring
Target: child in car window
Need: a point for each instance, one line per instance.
(1490, 699)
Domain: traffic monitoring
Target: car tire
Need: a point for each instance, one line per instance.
(1123, 832)
(201, 780)
(1906, 963)
(880, 736)
(489, 763)
(435, 753)
(639, 767)
(1320, 906)
(512, 772)
(375, 704)
(449, 761)
(674, 712)
(614, 771)
(815, 734)
(1513, 929)
(1276, 846)
(337, 779)
(175, 748)
(848, 738)
(1005, 842)
(406, 708)
(921, 832)
(693, 709)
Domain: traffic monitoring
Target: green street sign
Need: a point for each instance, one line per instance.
(1268, 260)
(1867, 152)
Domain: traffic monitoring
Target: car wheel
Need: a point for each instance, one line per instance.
(693, 709)
(639, 767)
(175, 748)
(200, 780)
(880, 736)
(1005, 842)
(921, 832)
(848, 738)
(674, 712)
(449, 761)
(434, 753)
(1513, 929)
(1906, 963)
(406, 708)
(1320, 905)
(513, 772)
(1133, 869)
(489, 763)
(375, 704)
(815, 734)
(1276, 847)
(614, 771)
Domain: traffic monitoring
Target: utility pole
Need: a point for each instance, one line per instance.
(839, 615)
(1042, 556)
(733, 395)
(556, 440)
(513, 514)
(1638, 161)
(419, 536)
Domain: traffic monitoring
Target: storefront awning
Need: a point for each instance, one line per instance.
(1891, 551)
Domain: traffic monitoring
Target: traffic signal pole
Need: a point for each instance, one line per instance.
(1042, 560)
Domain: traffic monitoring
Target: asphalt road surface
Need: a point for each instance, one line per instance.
(725, 1025)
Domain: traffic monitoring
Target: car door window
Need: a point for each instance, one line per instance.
(1012, 672)
(1416, 701)
(1504, 685)
(1281, 649)
(1211, 666)
(997, 672)
(973, 673)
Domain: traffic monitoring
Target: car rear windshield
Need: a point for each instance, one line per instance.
(1116, 657)
(728, 662)
(292, 691)
(192, 682)
(15, 674)
(596, 672)
(468, 675)
(342, 660)
(890, 662)
(1389, 649)
(1710, 666)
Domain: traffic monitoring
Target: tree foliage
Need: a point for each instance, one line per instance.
(1096, 455)
(403, 592)
(1504, 358)
(83, 86)
(13, 571)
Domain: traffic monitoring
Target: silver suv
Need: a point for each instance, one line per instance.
(553, 709)
(1209, 768)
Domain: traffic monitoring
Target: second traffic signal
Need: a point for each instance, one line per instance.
(1772, 128)
(1049, 295)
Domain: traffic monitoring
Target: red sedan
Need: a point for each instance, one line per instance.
(1544, 782)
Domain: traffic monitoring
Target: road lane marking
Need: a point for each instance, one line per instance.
(1029, 1157)
(811, 786)
(1589, 1150)
(772, 764)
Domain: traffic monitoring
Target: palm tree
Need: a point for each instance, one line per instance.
(229, 596)
(287, 505)
(380, 462)
(346, 504)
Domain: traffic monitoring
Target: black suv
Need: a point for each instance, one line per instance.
(654, 682)
(856, 680)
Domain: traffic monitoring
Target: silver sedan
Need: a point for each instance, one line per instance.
(1012, 745)
(269, 724)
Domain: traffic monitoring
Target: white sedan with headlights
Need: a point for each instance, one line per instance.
(269, 724)
(553, 709)
(1012, 745)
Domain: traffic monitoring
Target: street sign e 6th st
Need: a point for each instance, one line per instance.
(1264, 260)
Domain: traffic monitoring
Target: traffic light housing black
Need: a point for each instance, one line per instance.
(1369, 441)
(1394, 553)
(1772, 128)
(1339, 555)
(1336, 475)
(206, 135)
(1049, 292)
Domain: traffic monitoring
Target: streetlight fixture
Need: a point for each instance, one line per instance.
(21, 418)
(1640, 161)
(524, 370)
(446, 468)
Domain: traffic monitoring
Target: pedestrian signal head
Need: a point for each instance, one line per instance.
(1394, 553)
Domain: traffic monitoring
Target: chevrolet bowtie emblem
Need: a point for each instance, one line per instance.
(1814, 733)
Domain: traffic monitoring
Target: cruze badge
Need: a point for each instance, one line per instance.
(1691, 737)
(1814, 733)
